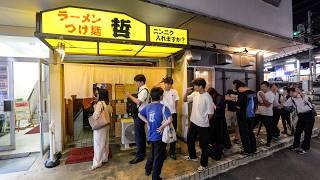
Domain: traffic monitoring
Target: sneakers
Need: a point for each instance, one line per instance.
(189, 159)
(201, 168)
(294, 149)
(301, 151)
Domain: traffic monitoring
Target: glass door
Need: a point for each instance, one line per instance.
(7, 123)
(44, 108)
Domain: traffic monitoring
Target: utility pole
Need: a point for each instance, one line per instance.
(312, 62)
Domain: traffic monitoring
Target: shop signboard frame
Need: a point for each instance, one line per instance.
(168, 48)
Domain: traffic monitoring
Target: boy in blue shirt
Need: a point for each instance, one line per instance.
(152, 114)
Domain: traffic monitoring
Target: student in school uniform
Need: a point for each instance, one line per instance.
(142, 100)
(170, 99)
(306, 119)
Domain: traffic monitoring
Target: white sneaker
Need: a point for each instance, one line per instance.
(201, 168)
(189, 159)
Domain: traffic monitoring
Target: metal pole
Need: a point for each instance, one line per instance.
(312, 65)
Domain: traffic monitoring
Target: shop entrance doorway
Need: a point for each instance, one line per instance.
(23, 108)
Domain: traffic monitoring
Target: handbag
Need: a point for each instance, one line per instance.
(100, 122)
(168, 134)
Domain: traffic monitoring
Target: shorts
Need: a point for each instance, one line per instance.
(231, 118)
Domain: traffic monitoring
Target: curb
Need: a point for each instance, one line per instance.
(240, 160)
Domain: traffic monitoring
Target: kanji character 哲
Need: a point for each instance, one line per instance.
(63, 15)
(71, 28)
(96, 30)
(83, 29)
(122, 29)
(86, 18)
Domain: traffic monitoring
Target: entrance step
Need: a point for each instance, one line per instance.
(239, 160)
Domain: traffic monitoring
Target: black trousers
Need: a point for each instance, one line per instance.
(156, 158)
(305, 123)
(285, 118)
(277, 113)
(172, 150)
(140, 137)
(203, 132)
(267, 121)
(247, 136)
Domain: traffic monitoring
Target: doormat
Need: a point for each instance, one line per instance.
(84, 154)
(17, 164)
(34, 130)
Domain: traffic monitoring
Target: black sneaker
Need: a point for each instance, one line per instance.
(136, 160)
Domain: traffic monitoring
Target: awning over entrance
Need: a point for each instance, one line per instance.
(97, 32)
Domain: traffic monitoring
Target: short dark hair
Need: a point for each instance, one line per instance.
(140, 78)
(199, 82)
(240, 84)
(236, 81)
(103, 95)
(265, 83)
(274, 84)
(156, 93)
(167, 80)
(291, 90)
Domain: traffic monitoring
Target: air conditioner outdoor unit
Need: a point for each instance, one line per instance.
(127, 132)
(224, 59)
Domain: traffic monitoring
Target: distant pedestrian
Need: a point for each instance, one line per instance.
(278, 110)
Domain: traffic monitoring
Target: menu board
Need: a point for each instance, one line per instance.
(131, 88)
(120, 91)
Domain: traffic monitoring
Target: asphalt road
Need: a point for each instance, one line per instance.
(283, 165)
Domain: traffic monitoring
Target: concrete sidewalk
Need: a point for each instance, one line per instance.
(119, 168)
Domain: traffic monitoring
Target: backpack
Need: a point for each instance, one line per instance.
(251, 105)
(132, 108)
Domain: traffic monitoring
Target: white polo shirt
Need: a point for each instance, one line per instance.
(263, 110)
(202, 106)
(169, 99)
(143, 96)
(302, 105)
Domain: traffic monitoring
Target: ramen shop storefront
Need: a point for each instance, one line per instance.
(97, 48)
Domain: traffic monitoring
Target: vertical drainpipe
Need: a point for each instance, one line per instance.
(259, 69)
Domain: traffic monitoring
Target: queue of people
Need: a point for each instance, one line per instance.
(211, 115)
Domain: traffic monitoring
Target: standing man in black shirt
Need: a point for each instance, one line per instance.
(247, 101)
(231, 113)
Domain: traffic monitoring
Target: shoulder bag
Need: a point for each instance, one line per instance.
(100, 122)
(168, 134)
